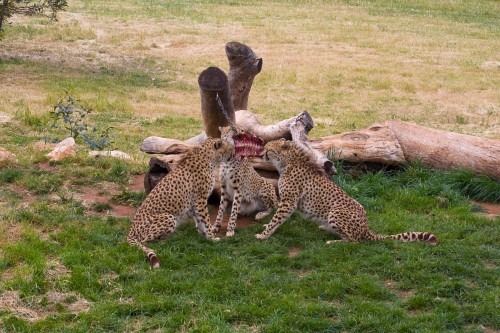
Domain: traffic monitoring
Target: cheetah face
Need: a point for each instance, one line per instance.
(224, 150)
(275, 151)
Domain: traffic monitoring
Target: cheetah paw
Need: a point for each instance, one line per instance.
(261, 215)
(215, 239)
(261, 236)
(230, 233)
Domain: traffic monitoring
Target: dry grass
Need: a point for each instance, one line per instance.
(349, 65)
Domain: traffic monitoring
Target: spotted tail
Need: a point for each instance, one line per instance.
(153, 259)
(411, 236)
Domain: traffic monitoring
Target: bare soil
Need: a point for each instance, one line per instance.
(491, 210)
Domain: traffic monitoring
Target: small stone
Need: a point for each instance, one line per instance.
(65, 149)
(112, 153)
(7, 157)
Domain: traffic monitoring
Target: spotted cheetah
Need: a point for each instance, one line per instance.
(181, 194)
(303, 188)
(242, 185)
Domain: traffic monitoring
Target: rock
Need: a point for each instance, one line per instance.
(4, 118)
(112, 153)
(7, 157)
(65, 149)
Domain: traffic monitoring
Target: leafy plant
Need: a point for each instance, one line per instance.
(70, 115)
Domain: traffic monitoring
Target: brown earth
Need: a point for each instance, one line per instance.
(491, 210)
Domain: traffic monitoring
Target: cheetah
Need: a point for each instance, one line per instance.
(303, 188)
(181, 194)
(242, 185)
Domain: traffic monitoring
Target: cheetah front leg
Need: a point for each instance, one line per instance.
(222, 209)
(202, 218)
(235, 209)
(285, 209)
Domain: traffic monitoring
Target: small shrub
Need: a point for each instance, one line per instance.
(70, 116)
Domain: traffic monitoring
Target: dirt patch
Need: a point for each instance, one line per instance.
(293, 252)
(39, 307)
(303, 273)
(391, 285)
(56, 271)
(136, 183)
(47, 167)
(123, 211)
(490, 210)
(90, 196)
(10, 233)
(487, 329)
(241, 223)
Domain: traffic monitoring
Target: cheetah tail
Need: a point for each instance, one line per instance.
(411, 236)
(152, 257)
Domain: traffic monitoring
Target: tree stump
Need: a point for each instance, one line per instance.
(244, 65)
(213, 82)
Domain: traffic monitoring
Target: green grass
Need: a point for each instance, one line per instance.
(242, 284)
(351, 63)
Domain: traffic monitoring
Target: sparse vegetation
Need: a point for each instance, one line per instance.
(70, 116)
(64, 262)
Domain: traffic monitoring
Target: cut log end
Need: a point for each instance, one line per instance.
(329, 168)
(305, 118)
(237, 49)
(212, 79)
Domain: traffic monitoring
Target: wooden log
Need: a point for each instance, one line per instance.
(244, 65)
(447, 150)
(373, 144)
(298, 129)
(398, 142)
(213, 82)
(245, 119)
(159, 167)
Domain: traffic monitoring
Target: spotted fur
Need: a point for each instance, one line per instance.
(302, 188)
(241, 184)
(183, 193)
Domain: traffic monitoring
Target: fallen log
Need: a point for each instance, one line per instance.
(393, 143)
(398, 142)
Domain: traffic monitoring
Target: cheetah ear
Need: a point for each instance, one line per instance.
(217, 144)
(286, 144)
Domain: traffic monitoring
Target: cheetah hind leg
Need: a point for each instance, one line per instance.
(164, 225)
(270, 201)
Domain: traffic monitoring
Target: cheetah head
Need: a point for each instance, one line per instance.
(222, 149)
(276, 151)
(245, 144)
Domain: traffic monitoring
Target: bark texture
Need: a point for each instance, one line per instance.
(244, 65)
(213, 82)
